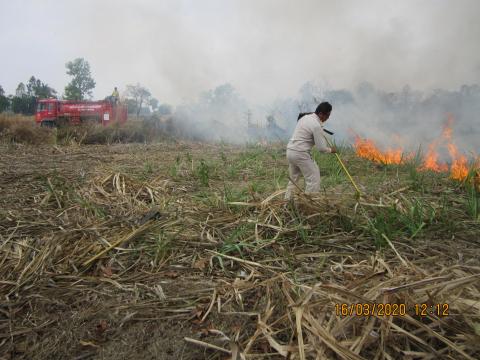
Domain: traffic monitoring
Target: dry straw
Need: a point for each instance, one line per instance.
(86, 261)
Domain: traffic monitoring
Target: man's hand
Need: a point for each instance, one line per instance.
(333, 149)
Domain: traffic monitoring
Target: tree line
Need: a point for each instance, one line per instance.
(138, 98)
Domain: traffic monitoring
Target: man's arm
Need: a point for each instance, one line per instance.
(320, 141)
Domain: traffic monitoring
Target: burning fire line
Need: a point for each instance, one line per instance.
(367, 149)
(459, 169)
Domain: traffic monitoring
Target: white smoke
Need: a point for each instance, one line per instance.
(408, 118)
(267, 50)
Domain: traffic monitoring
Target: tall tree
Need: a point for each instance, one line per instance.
(25, 99)
(139, 94)
(22, 102)
(21, 90)
(82, 82)
(153, 103)
(3, 100)
(37, 88)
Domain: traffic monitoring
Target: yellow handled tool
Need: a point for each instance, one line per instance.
(357, 190)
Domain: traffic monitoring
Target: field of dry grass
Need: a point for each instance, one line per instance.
(178, 250)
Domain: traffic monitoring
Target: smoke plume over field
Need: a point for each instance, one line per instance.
(275, 56)
(407, 118)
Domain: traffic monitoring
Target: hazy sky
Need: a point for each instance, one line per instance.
(264, 49)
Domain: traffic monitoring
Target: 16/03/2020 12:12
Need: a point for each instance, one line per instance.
(391, 309)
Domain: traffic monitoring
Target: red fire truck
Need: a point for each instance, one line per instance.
(54, 112)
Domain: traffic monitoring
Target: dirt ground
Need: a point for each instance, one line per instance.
(86, 325)
(124, 251)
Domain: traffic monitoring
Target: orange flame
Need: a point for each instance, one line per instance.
(459, 167)
(366, 148)
(430, 161)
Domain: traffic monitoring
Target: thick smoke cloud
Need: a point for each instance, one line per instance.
(408, 118)
(266, 50)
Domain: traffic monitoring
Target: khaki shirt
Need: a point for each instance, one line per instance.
(308, 133)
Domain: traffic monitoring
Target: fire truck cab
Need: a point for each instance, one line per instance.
(54, 112)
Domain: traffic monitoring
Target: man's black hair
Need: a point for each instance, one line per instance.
(323, 108)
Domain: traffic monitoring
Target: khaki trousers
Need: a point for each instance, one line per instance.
(301, 163)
